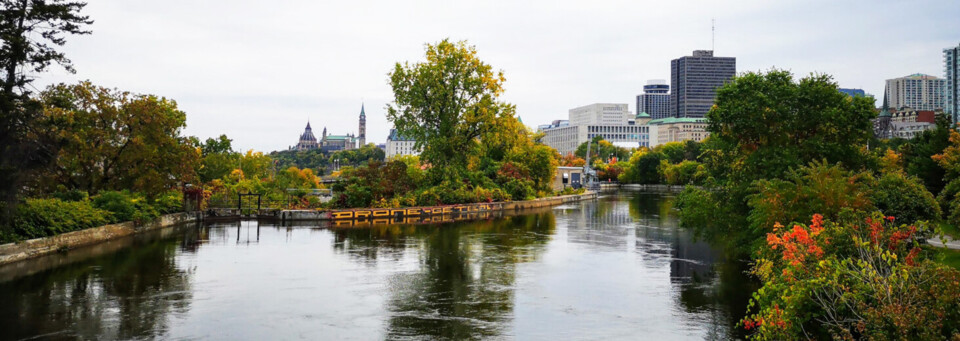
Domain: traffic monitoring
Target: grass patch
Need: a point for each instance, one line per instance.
(945, 256)
(950, 230)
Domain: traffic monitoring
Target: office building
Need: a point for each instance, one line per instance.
(600, 114)
(655, 99)
(613, 122)
(694, 81)
(673, 129)
(917, 91)
(951, 65)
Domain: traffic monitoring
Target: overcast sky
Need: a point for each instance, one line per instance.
(258, 70)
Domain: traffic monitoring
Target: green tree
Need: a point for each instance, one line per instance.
(643, 167)
(114, 140)
(917, 153)
(30, 32)
(773, 123)
(904, 197)
(446, 103)
(217, 158)
(601, 149)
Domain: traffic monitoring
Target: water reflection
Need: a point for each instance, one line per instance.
(463, 286)
(616, 268)
(128, 294)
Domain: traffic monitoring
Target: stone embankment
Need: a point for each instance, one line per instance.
(15, 252)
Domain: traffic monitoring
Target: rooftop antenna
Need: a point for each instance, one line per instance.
(713, 33)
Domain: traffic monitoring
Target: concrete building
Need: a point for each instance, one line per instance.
(674, 129)
(600, 114)
(916, 91)
(613, 122)
(568, 177)
(694, 81)
(655, 99)
(400, 145)
(951, 68)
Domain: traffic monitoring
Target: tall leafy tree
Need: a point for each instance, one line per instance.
(773, 123)
(446, 103)
(218, 158)
(30, 31)
(918, 152)
(115, 140)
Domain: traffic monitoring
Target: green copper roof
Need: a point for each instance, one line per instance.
(643, 115)
(338, 137)
(671, 120)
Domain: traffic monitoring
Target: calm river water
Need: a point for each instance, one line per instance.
(611, 269)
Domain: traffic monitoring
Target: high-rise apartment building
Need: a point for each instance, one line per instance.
(917, 91)
(655, 99)
(694, 81)
(951, 65)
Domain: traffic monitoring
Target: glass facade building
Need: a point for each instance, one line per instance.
(655, 100)
(853, 92)
(951, 63)
(695, 80)
(917, 91)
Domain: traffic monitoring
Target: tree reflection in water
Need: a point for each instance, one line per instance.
(710, 282)
(127, 294)
(463, 288)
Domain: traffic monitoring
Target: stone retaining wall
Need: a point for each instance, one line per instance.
(15, 252)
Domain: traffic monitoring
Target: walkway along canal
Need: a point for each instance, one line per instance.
(614, 268)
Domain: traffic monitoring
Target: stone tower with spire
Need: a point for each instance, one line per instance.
(882, 128)
(362, 135)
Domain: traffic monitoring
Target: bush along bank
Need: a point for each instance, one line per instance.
(74, 211)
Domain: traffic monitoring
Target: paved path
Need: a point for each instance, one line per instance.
(951, 243)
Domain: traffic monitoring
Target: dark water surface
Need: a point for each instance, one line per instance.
(616, 268)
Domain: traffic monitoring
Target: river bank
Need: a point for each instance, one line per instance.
(518, 275)
(15, 252)
(34, 248)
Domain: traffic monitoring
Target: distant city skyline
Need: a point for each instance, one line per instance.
(259, 80)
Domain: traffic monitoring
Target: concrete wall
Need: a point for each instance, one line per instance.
(14, 252)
